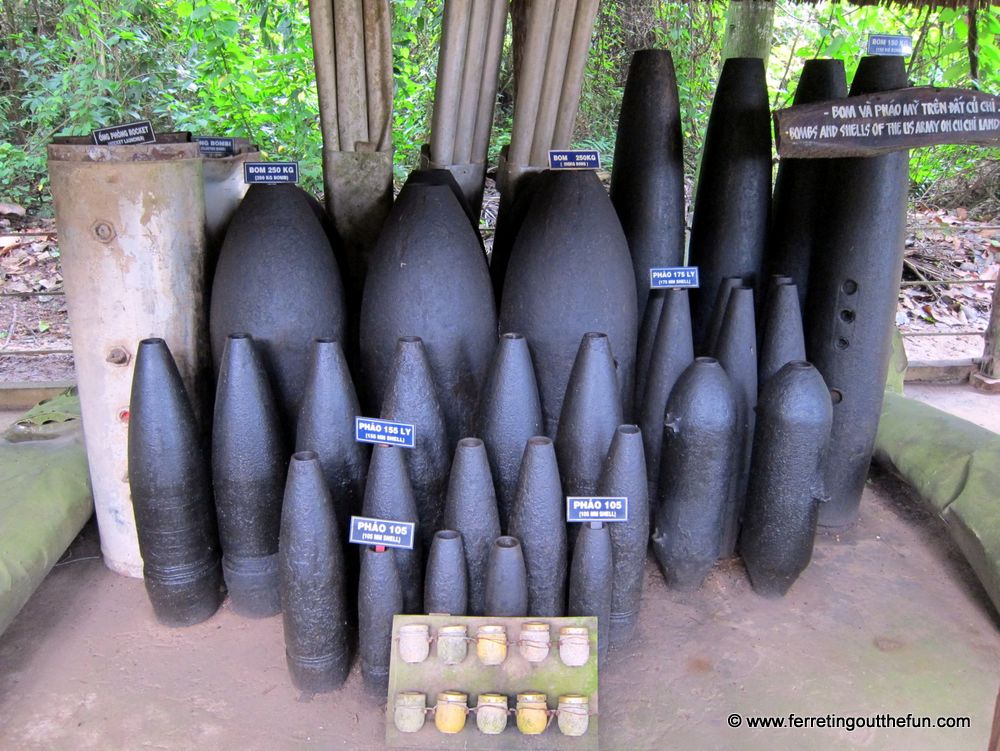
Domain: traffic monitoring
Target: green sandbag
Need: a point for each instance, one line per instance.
(45, 498)
(954, 466)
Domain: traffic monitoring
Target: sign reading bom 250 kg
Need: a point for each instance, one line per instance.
(887, 121)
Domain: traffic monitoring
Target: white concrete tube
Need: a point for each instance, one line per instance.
(378, 66)
(132, 236)
(352, 86)
(448, 89)
(529, 83)
(324, 61)
(472, 78)
(576, 64)
(488, 85)
(555, 67)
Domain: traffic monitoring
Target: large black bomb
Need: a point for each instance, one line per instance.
(647, 179)
(672, 352)
(853, 289)
(644, 348)
(801, 186)
(570, 273)
(733, 199)
(446, 582)
(277, 279)
(736, 351)
(428, 277)
(471, 509)
(624, 476)
(506, 580)
(315, 608)
(248, 475)
(389, 496)
(700, 458)
(326, 426)
(794, 416)
(538, 521)
(171, 493)
(380, 597)
(410, 397)
(590, 581)
(509, 414)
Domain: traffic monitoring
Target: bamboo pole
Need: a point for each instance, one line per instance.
(352, 88)
(488, 84)
(321, 24)
(447, 95)
(378, 65)
(529, 86)
(472, 77)
(569, 100)
(555, 70)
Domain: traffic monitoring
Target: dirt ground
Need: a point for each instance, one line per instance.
(887, 619)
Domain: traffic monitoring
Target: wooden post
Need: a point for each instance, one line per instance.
(749, 25)
(988, 377)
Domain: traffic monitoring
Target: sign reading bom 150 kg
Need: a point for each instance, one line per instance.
(887, 121)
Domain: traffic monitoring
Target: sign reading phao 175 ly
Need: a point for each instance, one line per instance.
(674, 277)
(385, 532)
(887, 121)
(586, 509)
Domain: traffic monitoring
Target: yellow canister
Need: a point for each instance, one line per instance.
(534, 641)
(451, 710)
(532, 713)
(491, 644)
(491, 713)
(574, 714)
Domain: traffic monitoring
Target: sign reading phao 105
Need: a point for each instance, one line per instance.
(370, 430)
(385, 532)
(585, 509)
(887, 121)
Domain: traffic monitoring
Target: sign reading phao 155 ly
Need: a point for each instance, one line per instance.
(887, 121)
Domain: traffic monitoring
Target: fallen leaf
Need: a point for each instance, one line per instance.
(12, 208)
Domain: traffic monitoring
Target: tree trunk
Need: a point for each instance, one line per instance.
(748, 29)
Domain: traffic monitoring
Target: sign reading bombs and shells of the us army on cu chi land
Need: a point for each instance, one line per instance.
(887, 121)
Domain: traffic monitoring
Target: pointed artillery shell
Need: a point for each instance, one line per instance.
(590, 581)
(380, 597)
(506, 580)
(446, 582)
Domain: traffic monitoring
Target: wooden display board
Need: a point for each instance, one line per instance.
(513, 676)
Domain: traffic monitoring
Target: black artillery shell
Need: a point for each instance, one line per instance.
(380, 597)
(171, 493)
(644, 349)
(733, 199)
(277, 280)
(673, 351)
(647, 179)
(428, 277)
(590, 581)
(446, 581)
(801, 185)
(506, 580)
(249, 463)
(509, 414)
(624, 475)
(410, 397)
(315, 608)
(700, 456)
(853, 289)
(782, 340)
(570, 273)
(388, 495)
(326, 426)
(591, 412)
(736, 351)
(711, 338)
(793, 428)
(538, 520)
(471, 509)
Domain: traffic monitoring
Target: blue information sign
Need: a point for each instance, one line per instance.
(585, 509)
(574, 159)
(270, 173)
(669, 278)
(385, 532)
(890, 44)
(370, 430)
